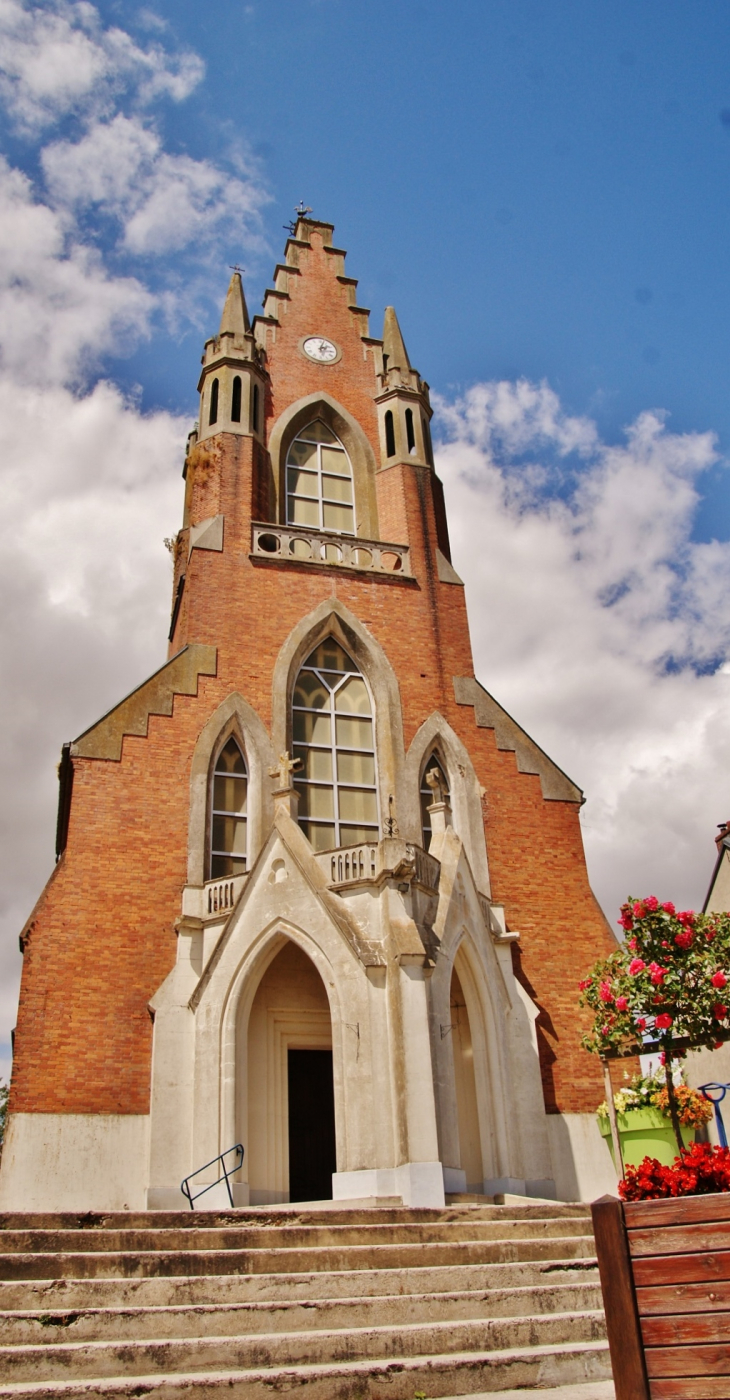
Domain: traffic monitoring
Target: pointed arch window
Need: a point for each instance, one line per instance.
(332, 723)
(228, 823)
(427, 795)
(319, 490)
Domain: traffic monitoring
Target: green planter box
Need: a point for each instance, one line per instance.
(645, 1132)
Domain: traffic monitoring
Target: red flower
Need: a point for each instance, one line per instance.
(710, 933)
(636, 965)
(663, 1022)
(622, 1004)
(626, 921)
(684, 939)
(651, 904)
(641, 1022)
(604, 991)
(631, 943)
(638, 911)
(669, 907)
(719, 1011)
(662, 1058)
(582, 986)
(688, 916)
(719, 980)
(657, 974)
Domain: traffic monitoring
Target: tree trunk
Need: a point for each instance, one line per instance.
(673, 1110)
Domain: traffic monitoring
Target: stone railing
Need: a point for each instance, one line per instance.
(213, 900)
(354, 865)
(351, 864)
(293, 542)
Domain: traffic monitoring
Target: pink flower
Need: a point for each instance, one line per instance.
(605, 1030)
(719, 980)
(662, 1058)
(636, 965)
(622, 1004)
(626, 921)
(687, 917)
(657, 974)
(684, 939)
(638, 911)
(641, 1022)
(663, 1022)
(669, 907)
(631, 943)
(584, 984)
(719, 1011)
(710, 933)
(604, 991)
(652, 904)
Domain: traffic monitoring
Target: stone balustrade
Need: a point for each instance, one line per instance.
(355, 865)
(295, 543)
(213, 900)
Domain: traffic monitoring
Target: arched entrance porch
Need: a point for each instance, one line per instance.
(291, 1124)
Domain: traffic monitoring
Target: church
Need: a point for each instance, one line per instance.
(316, 892)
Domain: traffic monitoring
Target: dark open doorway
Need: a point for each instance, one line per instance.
(312, 1156)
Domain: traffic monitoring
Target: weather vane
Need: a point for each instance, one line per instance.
(301, 212)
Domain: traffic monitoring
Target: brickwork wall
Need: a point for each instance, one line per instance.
(103, 937)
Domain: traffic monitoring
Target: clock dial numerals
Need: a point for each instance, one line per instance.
(317, 347)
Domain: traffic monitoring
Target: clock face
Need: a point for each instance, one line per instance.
(320, 349)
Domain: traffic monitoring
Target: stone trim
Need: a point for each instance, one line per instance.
(488, 714)
(446, 571)
(234, 716)
(437, 734)
(207, 534)
(155, 696)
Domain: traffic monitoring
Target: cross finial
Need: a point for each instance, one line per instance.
(235, 268)
(285, 767)
(435, 782)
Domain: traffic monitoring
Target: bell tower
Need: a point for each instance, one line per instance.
(311, 860)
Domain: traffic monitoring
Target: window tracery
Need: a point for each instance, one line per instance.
(332, 723)
(319, 487)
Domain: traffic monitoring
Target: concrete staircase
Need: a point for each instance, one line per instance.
(368, 1304)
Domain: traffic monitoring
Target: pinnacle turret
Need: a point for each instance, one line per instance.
(234, 320)
(393, 343)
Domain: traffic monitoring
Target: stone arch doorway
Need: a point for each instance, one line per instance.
(465, 1083)
(291, 1120)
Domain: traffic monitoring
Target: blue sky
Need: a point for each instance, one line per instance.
(543, 191)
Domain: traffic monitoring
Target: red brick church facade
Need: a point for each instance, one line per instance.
(274, 559)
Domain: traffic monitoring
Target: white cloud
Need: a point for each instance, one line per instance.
(164, 202)
(60, 309)
(593, 618)
(57, 57)
(90, 489)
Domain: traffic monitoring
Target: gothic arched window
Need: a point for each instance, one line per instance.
(319, 482)
(332, 723)
(389, 435)
(236, 400)
(213, 414)
(228, 813)
(427, 795)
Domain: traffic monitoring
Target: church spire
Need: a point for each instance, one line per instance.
(234, 320)
(393, 343)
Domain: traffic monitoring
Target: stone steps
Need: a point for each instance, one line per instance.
(341, 1304)
(29, 1328)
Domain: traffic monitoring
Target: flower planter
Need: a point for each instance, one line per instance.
(665, 1277)
(645, 1132)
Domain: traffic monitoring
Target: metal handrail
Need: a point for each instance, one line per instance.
(226, 1174)
(721, 1090)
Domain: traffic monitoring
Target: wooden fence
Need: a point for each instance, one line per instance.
(665, 1275)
